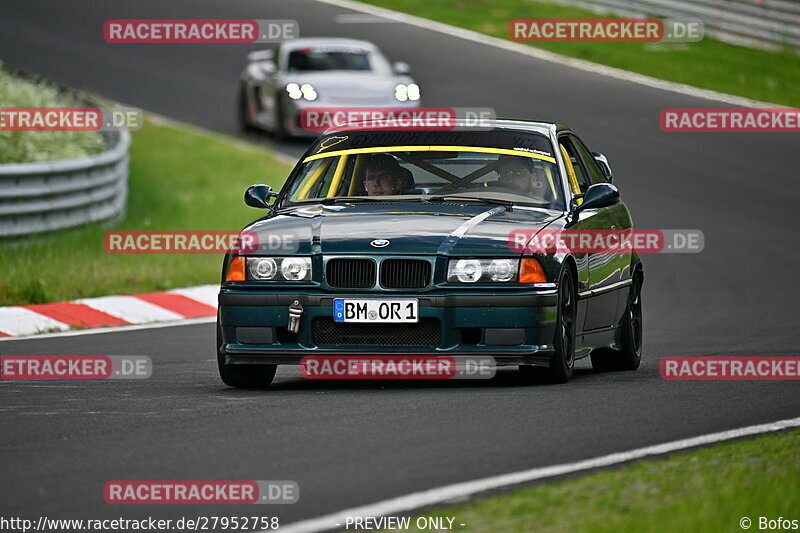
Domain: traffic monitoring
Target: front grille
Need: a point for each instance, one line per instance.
(349, 273)
(423, 333)
(405, 273)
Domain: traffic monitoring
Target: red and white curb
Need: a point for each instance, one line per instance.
(167, 306)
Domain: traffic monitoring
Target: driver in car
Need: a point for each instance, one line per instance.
(522, 174)
(384, 176)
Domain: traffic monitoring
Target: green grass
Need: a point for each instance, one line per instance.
(710, 64)
(36, 146)
(180, 179)
(707, 490)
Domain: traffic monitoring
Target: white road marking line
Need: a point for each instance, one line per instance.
(21, 321)
(460, 491)
(130, 309)
(206, 294)
(357, 18)
(552, 57)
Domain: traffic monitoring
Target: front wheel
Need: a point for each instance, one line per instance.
(243, 109)
(242, 376)
(629, 356)
(279, 133)
(562, 362)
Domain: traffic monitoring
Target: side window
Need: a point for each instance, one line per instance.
(577, 165)
(594, 171)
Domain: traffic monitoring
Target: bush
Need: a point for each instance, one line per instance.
(37, 146)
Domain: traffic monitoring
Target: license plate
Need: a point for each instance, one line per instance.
(375, 311)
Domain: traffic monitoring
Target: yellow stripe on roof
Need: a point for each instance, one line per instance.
(480, 149)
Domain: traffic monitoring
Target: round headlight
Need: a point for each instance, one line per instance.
(294, 268)
(501, 270)
(262, 268)
(294, 91)
(413, 91)
(401, 93)
(468, 270)
(308, 92)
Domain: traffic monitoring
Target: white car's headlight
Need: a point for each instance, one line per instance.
(482, 270)
(406, 92)
(278, 268)
(305, 91)
(294, 91)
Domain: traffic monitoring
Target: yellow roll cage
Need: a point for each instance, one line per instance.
(358, 152)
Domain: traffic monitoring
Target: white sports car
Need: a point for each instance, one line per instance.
(278, 84)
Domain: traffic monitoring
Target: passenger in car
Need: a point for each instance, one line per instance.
(522, 174)
(407, 185)
(383, 175)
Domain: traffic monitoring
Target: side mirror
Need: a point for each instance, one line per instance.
(267, 67)
(401, 68)
(259, 195)
(603, 162)
(261, 55)
(261, 70)
(597, 196)
(262, 62)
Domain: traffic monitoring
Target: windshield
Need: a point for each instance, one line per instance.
(329, 58)
(423, 172)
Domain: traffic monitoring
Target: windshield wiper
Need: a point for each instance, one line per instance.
(493, 201)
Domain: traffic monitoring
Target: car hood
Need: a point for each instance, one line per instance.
(352, 87)
(412, 228)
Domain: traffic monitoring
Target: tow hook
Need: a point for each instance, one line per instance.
(295, 312)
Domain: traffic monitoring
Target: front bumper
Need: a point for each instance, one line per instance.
(514, 328)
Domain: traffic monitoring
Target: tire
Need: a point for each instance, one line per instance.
(279, 133)
(242, 114)
(562, 362)
(243, 376)
(629, 356)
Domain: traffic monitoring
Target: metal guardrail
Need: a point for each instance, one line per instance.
(42, 197)
(766, 23)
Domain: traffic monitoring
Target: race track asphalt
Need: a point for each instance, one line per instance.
(348, 444)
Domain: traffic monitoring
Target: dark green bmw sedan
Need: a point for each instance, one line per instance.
(430, 243)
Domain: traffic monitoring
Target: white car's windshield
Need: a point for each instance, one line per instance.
(313, 59)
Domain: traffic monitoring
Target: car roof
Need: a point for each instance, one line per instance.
(294, 44)
(526, 126)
